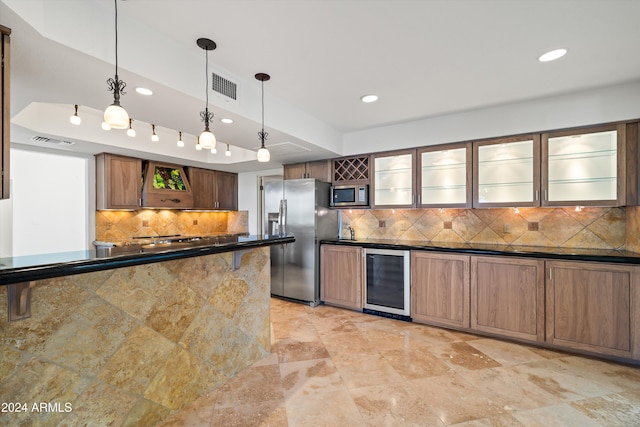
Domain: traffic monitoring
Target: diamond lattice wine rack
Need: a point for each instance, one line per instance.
(351, 169)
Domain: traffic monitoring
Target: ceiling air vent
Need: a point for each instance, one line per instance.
(44, 139)
(223, 86)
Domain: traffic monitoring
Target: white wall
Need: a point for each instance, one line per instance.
(248, 194)
(611, 104)
(6, 226)
(53, 202)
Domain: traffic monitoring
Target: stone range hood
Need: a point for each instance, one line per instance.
(165, 186)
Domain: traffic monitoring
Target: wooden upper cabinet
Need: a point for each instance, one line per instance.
(506, 172)
(203, 184)
(594, 307)
(295, 171)
(227, 191)
(507, 297)
(341, 279)
(440, 289)
(320, 170)
(584, 167)
(118, 182)
(214, 189)
(5, 116)
(444, 176)
(393, 184)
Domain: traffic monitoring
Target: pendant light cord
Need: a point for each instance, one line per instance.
(263, 111)
(206, 78)
(116, 5)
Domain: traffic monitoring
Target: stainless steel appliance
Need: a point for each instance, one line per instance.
(297, 207)
(387, 283)
(349, 195)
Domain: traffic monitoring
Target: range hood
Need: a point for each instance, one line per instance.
(165, 186)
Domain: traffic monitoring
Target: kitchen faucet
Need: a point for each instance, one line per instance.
(352, 232)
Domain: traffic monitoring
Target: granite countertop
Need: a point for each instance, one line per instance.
(558, 253)
(44, 266)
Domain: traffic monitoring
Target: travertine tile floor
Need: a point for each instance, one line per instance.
(334, 367)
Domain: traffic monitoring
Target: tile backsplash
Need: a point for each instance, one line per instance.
(123, 225)
(598, 228)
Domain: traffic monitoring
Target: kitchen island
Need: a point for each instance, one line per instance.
(129, 337)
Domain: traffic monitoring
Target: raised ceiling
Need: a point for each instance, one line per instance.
(422, 58)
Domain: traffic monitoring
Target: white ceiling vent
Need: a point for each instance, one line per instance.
(285, 148)
(46, 140)
(224, 86)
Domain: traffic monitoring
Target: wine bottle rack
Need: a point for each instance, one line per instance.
(351, 169)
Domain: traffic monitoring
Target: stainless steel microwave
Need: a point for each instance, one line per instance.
(349, 195)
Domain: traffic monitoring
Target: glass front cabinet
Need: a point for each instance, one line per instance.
(506, 172)
(444, 176)
(584, 167)
(393, 179)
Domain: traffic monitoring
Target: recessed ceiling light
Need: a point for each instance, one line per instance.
(369, 98)
(552, 55)
(227, 121)
(144, 91)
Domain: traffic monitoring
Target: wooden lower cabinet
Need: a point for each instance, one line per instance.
(507, 297)
(341, 276)
(594, 307)
(440, 289)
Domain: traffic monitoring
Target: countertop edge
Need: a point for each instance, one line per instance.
(49, 271)
(615, 259)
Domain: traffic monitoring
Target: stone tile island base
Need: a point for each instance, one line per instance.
(130, 346)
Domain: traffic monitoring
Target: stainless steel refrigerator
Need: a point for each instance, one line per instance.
(299, 207)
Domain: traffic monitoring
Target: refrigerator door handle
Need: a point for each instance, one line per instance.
(283, 217)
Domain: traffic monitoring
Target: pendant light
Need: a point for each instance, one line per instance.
(263, 153)
(75, 119)
(228, 152)
(154, 137)
(180, 141)
(115, 116)
(206, 139)
(131, 131)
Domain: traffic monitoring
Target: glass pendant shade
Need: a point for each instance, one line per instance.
(264, 155)
(207, 139)
(116, 117)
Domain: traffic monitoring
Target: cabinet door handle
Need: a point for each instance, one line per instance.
(545, 195)
(536, 195)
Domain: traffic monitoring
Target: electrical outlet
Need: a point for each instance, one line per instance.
(506, 228)
(448, 225)
(532, 226)
(195, 222)
(145, 223)
(382, 224)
